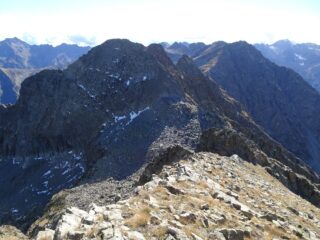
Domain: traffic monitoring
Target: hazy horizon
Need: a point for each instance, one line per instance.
(170, 43)
(92, 22)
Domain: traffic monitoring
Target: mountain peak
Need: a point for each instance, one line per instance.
(158, 52)
(14, 40)
(242, 45)
(186, 65)
(283, 44)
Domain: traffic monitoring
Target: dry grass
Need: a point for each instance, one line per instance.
(272, 231)
(140, 218)
(161, 193)
(99, 217)
(202, 184)
(193, 229)
(158, 232)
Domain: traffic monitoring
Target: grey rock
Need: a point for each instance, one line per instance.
(204, 206)
(271, 217)
(216, 235)
(188, 217)
(107, 233)
(47, 234)
(177, 233)
(75, 235)
(232, 234)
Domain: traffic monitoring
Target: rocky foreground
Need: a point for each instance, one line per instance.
(202, 196)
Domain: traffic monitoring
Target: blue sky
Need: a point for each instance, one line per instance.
(93, 21)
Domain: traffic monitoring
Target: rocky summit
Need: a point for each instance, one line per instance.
(111, 120)
(200, 196)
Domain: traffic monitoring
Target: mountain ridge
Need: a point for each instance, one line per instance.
(111, 114)
(243, 75)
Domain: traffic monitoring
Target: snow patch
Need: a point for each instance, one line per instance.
(300, 57)
(45, 184)
(274, 49)
(42, 192)
(46, 173)
(114, 76)
(15, 162)
(134, 115)
(84, 89)
(14, 210)
(81, 167)
(66, 171)
(77, 157)
(119, 118)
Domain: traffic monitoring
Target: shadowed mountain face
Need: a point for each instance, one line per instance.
(277, 98)
(7, 94)
(112, 111)
(303, 58)
(20, 60)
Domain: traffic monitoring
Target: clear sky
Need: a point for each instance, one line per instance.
(94, 21)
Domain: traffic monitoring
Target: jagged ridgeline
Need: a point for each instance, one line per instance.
(278, 99)
(114, 110)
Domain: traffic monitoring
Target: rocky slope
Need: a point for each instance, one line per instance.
(200, 196)
(117, 108)
(304, 58)
(11, 233)
(20, 60)
(278, 99)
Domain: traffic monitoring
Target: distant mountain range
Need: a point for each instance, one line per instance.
(19, 60)
(303, 58)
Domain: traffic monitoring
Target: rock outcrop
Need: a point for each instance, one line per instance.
(11, 233)
(294, 175)
(200, 196)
